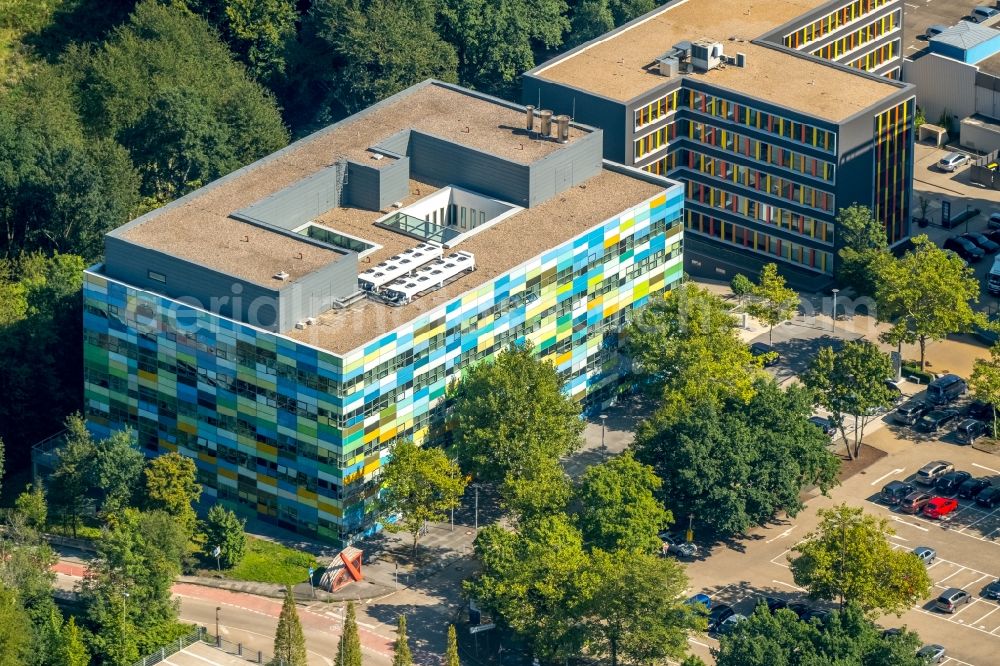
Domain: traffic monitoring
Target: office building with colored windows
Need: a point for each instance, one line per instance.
(284, 325)
(774, 115)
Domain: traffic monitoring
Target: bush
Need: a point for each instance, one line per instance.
(270, 562)
(912, 369)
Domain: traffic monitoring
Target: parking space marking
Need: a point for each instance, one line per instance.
(900, 520)
(782, 555)
(957, 662)
(896, 536)
(988, 469)
(881, 478)
(794, 587)
(782, 535)
(995, 609)
(961, 624)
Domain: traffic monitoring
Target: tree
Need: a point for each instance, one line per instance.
(737, 465)
(593, 18)
(116, 469)
(510, 412)
(848, 558)
(289, 641)
(420, 485)
(686, 348)
(634, 610)
(847, 638)
(349, 646)
(772, 302)
(72, 649)
(171, 486)
(32, 506)
(257, 31)
(71, 481)
(451, 655)
(495, 41)
(863, 247)
(15, 629)
(926, 294)
(532, 581)
(357, 52)
(618, 506)
(851, 384)
(541, 489)
(166, 60)
(985, 381)
(401, 650)
(223, 529)
(741, 286)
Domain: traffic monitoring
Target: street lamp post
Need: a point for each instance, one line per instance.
(690, 532)
(604, 448)
(835, 292)
(218, 636)
(475, 486)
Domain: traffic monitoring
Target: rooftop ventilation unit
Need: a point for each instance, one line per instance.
(562, 128)
(281, 275)
(675, 61)
(397, 266)
(706, 55)
(430, 277)
(546, 117)
(529, 118)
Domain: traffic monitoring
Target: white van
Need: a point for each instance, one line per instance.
(993, 278)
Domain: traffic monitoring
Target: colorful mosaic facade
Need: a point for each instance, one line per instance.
(298, 434)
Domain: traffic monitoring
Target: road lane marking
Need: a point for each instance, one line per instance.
(900, 520)
(988, 469)
(781, 582)
(881, 478)
(782, 535)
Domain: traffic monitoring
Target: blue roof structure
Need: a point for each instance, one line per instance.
(967, 41)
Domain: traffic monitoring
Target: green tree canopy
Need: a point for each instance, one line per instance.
(224, 529)
(32, 507)
(685, 346)
(926, 295)
(420, 485)
(451, 654)
(619, 509)
(511, 412)
(166, 88)
(401, 655)
(848, 638)
(985, 381)
(737, 465)
(864, 246)
(15, 629)
(772, 302)
(71, 482)
(540, 489)
(171, 487)
(848, 558)
(850, 383)
(117, 470)
(257, 31)
(289, 641)
(349, 646)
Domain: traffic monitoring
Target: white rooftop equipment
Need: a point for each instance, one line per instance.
(432, 276)
(398, 265)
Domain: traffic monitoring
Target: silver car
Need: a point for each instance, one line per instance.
(952, 161)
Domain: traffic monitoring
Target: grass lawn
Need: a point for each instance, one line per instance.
(269, 562)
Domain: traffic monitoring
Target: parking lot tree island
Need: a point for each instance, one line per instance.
(927, 294)
(985, 381)
(850, 384)
(848, 559)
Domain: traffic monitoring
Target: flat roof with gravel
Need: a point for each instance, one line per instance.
(619, 66)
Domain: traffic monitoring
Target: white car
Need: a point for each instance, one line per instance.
(673, 545)
(952, 161)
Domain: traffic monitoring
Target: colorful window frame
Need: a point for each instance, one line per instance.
(660, 108)
(822, 27)
(860, 37)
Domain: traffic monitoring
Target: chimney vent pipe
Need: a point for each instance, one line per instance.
(529, 118)
(546, 117)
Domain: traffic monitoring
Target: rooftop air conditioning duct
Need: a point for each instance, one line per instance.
(529, 118)
(546, 117)
(562, 128)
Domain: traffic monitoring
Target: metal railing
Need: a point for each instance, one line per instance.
(172, 648)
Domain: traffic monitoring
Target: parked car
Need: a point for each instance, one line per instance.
(799, 608)
(718, 615)
(935, 30)
(982, 14)
(910, 411)
(992, 591)
(823, 424)
(932, 654)
(984, 243)
(980, 410)
(964, 248)
(915, 501)
(951, 599)
(929, 473)
(678, 547)
(925, 554)
(702, 599)
(934, 421)
(894, 492)
(773, 604)
(988, 497)
(949, 483)
(939, 507)
(771, 356)
(969, 430)
(729, 624)
(820, 614)
(946, 389)
(994, 221)
(970, 488)
(952, 161)
(897, 393)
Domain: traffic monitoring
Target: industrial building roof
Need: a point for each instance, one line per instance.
(198, 227)
(965, 35)
(618, 65)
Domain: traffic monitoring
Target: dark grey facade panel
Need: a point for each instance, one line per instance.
(583, 107)
(769, 229)
(314, 293)
(377, 187)
(394, 182)
(192, 283)
(397, 144)
(296, 204)
(451, 163)
(558, 171)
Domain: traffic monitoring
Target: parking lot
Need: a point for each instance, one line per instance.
(918, 15)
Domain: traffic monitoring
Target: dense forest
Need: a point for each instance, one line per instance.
(110, 108)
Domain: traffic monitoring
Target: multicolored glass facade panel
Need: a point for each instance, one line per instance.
(298, 434)
(893, 150)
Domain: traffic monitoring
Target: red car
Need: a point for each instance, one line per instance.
(939, 507)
